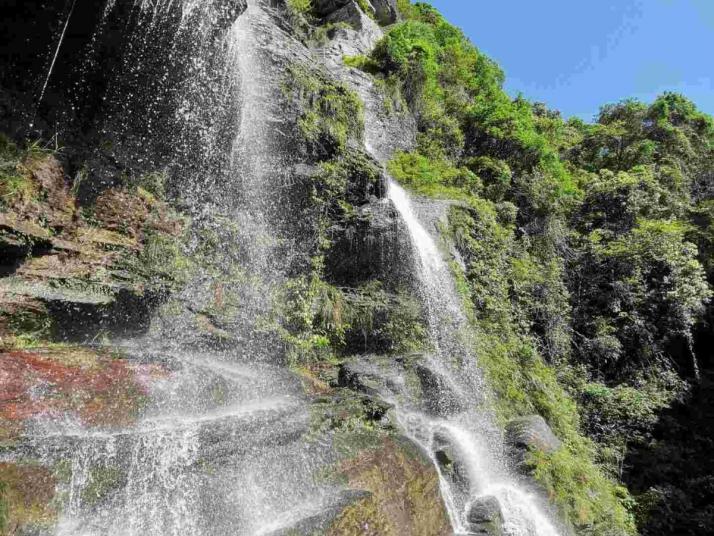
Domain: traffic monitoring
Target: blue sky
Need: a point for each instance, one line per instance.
(576, 55)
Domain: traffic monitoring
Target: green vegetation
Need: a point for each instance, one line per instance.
(319, 321)
(367, 8)
(3, 507)
(162, 264)
(329, 113)
(129, 240)
(587, 252)
(462, 111)
(498, 288)
(321, 34)
(300, 6)
(323, 323)
(102, 482)
(16, 185)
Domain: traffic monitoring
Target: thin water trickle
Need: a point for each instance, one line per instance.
(54, 59)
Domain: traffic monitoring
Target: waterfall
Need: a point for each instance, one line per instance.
(219, 448)
(223, 445)
(466, 425)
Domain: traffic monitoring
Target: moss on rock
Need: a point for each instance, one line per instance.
(329, 113)
(403, 498)
(27, 492)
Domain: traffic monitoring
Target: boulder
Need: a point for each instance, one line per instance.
(385, 11)
(451, 466)
(320, 522)
(439, 397)
(404, 488)
(484, 517)
(373, 244)
(352, 14)
(530, 433)
(359, 376)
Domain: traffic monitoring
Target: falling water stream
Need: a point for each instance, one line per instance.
(219, 450)
(464, 423)
(457, 417)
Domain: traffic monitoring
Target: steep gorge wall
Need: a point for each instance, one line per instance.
(292, 255)
(136, 146)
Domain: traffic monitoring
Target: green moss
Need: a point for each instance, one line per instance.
(102, 482)
(433, 178)
(300, 6)
(363, 63)
(593, 503)
(153, 183)
(405, 8)
(160, 266)
(321, 322)
(3, 507)
(329, 113)
(347, 178)
(392, 508)
(27, 498)
(323, 33)
(367, 8)
(16, 184)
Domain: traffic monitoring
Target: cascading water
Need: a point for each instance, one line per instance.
(465, 424)
(457, 415)
(219, 448)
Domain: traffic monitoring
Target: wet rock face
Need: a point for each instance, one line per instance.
(95, 386)
(353, 15)
(369, 246)
(530, 433)
(360, 376)
(451, 466)
(439, 397)
(226, 13)
(74, 271)
(112, 55)
(385, 11)
(485, 517)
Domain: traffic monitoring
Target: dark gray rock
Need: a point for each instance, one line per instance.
(439, 397)
(385, 11)
(485, 517)
(532, 432)
(353, 15)
(323, 8)
(226, 13)
(359, 376)
(452, 468)
(371, 245)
